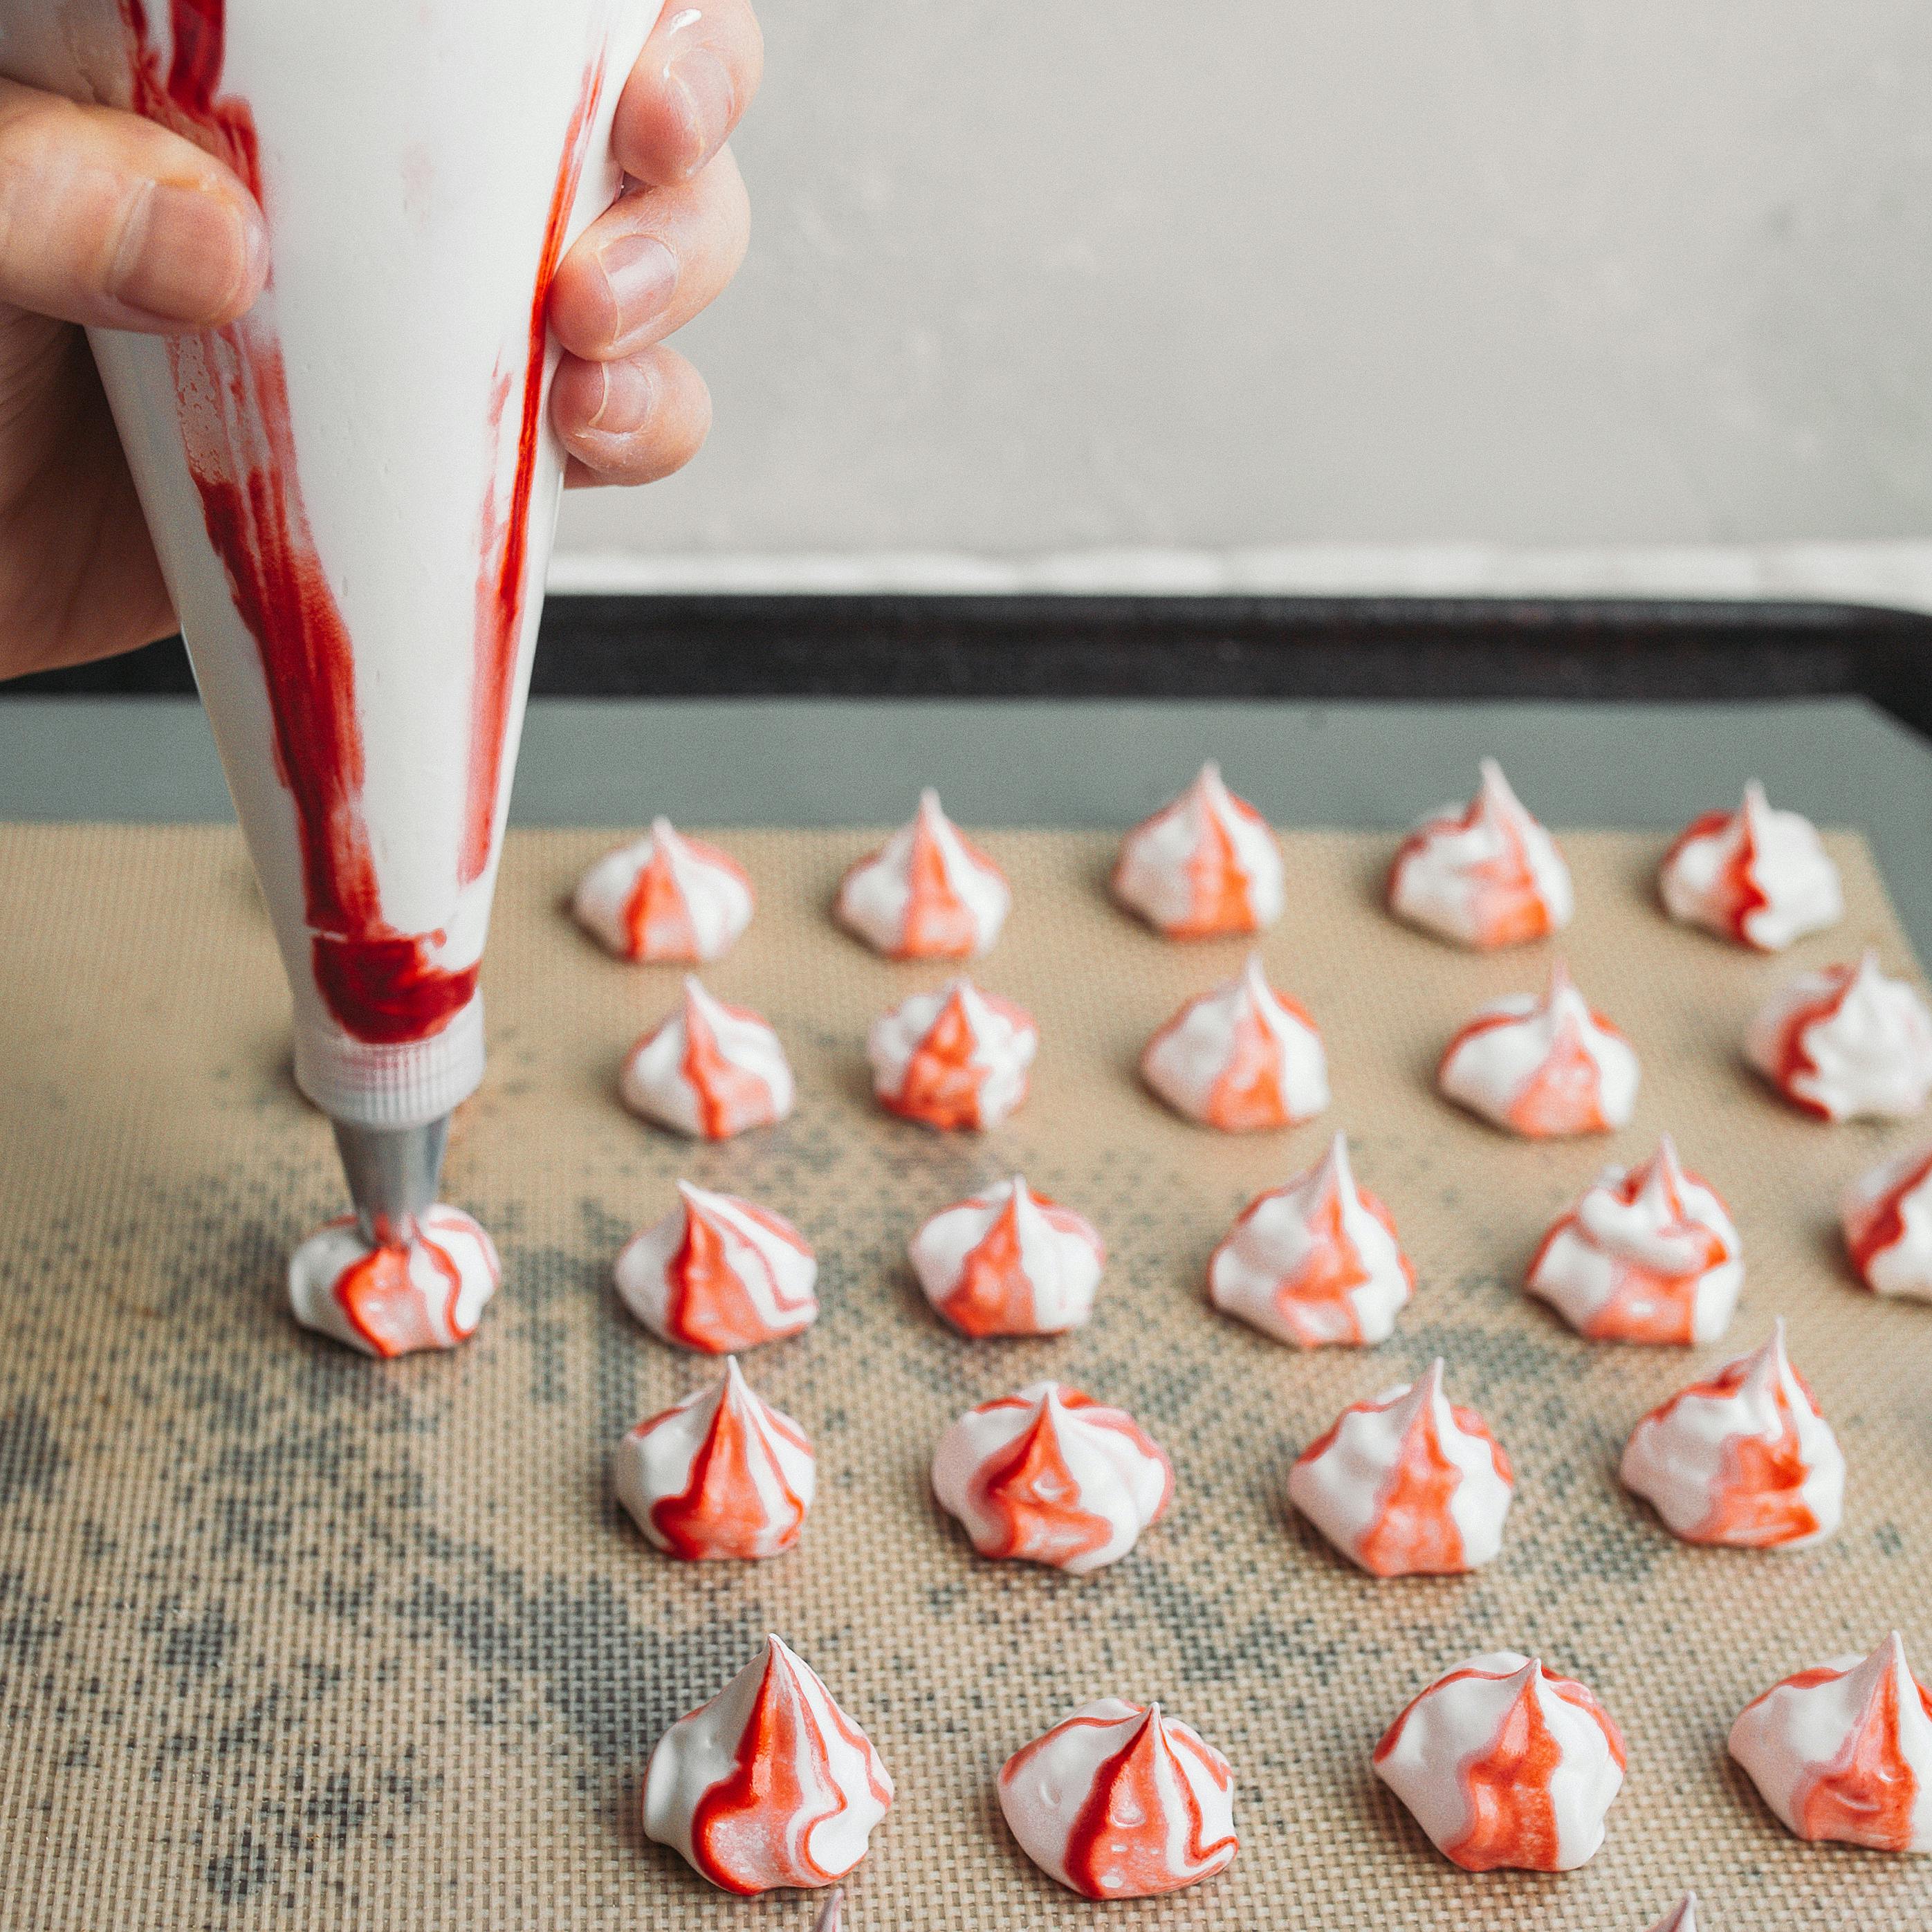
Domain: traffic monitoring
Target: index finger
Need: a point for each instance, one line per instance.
(695, 77)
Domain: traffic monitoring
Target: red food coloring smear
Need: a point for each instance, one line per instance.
(382, 985)
(380, 1299)
(721, 1511)
(941, 1084)
(1564, 1094)
(1759, 1500)
(1028, 1488)
(1506, 1785)
(711, 1304)
(1315, 1302)
(1217, 885)
(1219, 901)
(994, 1295)
(1883, 1224)
(1247, 1094)
(1866, 1794)
(1117, 1845)
(1646, 1304)
(655, 915)
(1415, 1532)
(758, 1818)
(1793, 1061)
(731, 1098)
(1739, 893)
(939, 924)
(506, 533)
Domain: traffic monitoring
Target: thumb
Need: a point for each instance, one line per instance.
(108, 220)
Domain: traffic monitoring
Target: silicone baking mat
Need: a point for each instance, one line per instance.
(287, 1636)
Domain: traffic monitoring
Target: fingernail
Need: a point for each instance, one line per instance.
(639, 277)
(184, 257)
(700, 84)
(628, 393)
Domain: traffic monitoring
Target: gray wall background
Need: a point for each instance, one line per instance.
(1040, 275)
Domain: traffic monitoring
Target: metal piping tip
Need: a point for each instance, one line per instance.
(393, 1174)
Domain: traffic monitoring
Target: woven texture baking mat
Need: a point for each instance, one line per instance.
(290, 1637)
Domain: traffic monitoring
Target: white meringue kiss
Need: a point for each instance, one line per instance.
(720, 1475)
(1647, 1253)
(1843, 1751)
(708, 1070)
(1745, 1459)
(1845, 1043)
(1407, 1485)
(1886, 1214)
(1239, 1057)
(393, 1300)
(1207, 863)
(719, 1274)
(926, 893)
(1120, 1800)
(1314, 1261)
(1542, 1066)
(665, 898)
(956, 1058)
(1756, 875)
(1051, 1476)
(770, 1784)
(1009, 1262)
(1483, 875)
(1504, 1764)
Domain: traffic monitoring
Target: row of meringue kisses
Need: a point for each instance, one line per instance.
(1501, 1762)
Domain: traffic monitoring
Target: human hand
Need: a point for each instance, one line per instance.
(108, 221)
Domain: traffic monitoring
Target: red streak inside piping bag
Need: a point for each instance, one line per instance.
(506, 534)
(383, 985)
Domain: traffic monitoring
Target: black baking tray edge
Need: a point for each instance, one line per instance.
(900, 646)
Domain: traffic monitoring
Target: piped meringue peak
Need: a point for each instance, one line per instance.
(1503, 1763)
(1484, 875)
(1886, 1214)
(1846, 1044)
(1844, 1751)
(1407, 1485)
(1682, 1917)
(1121, 1801)
(722, 1474)
(926, 893)
(1240, 1058)
(1647, 1253)
(393, 1299)
(1542, 1066)
(719, 1274)
(770, 1784)
(1745, 1458)
(955, 1058)
(1314, 1261)
(1206, 863)
(665, 898)
(708, 1070)
(1756, 875)
(1051, 1476)
(1009, 1262)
